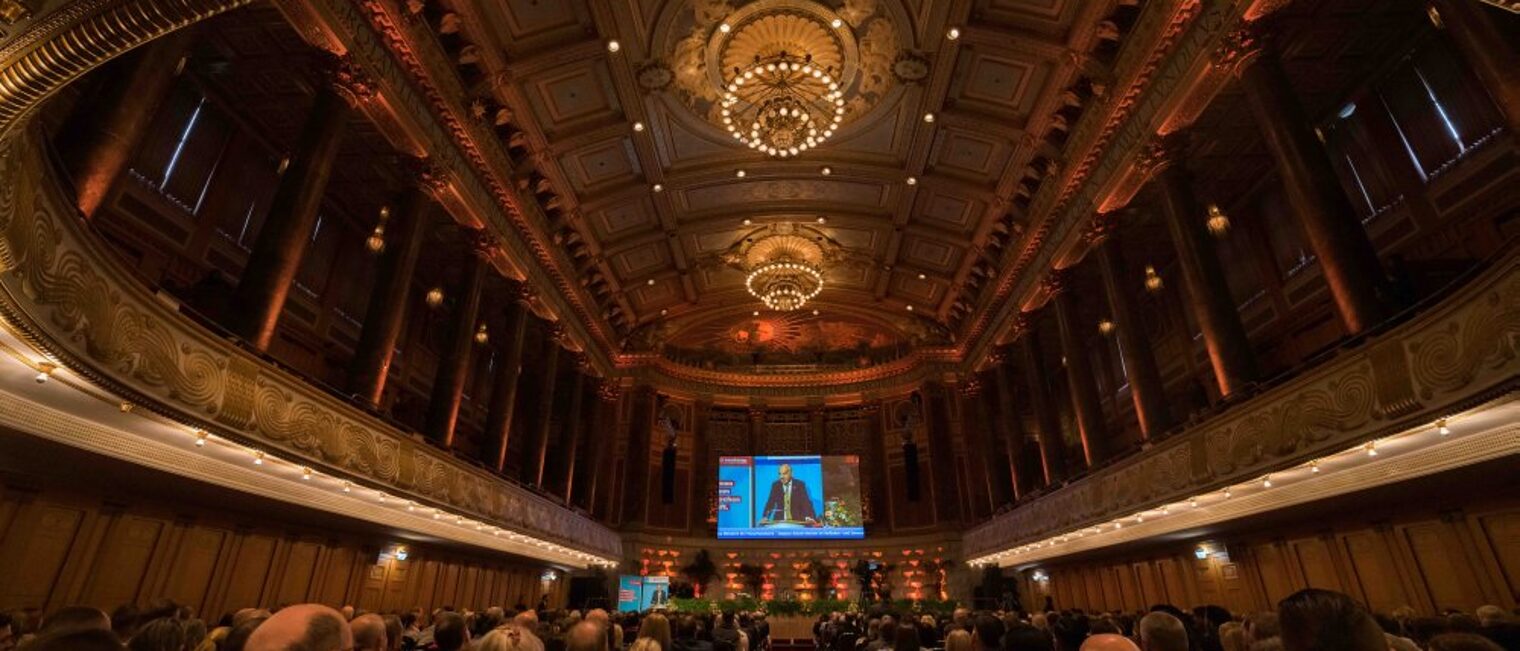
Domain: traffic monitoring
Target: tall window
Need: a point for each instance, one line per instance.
(186, 148)
(1440, 111)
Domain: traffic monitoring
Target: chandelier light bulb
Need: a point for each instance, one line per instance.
(826, 171)
(1218, 223)
(1153, 281)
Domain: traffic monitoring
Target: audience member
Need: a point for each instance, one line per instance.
(1322, 620)
(162, 634)
(450, 633)
(1463, 642)
(1108, 642)
(1025, 637)
(656, 627)
(89, 639)
(369, 632)
(1162, 632)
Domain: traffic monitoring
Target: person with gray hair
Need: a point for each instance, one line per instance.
(309, 627)
(1159, 631)
(369, 633)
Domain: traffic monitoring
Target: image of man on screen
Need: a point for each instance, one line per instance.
(789, 500)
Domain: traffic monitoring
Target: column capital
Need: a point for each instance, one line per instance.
(1239, 48)
(429, 176)
(1101, 228)
(346, 78)
(1023, 324)
(609, 390)
(1057, 281)
(483, 243)
(1162, 152)
(996, 357)
(972, 387)
(756, 414)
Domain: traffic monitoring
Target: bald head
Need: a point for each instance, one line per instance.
(586, 636)
(306, 627)
(1162, 632)
(369, 633)
(1109, 642)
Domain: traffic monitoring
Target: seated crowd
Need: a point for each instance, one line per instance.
(1310, 620)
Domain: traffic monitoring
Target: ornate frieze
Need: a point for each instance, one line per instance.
(65, 294)
(1454, 356)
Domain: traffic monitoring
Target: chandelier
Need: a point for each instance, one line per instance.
(782, 104)
(784, 284)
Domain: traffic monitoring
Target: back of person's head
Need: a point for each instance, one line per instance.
(1069, 631)
(124, 621)
(451, 632)
(162, 634)
(237, 638)
(887, 632)
(1489, 615)
(369, 632)
(645, 644)
(506, 638)
(1105, 626)
(1261, 626)
(586, 636)
(88, 639)
(1162, 632)
(989, 631)
(1462, 642)
(75, 618)
(195, 633)
(1232, 636)
(959, 640)
(1108, 642)
(1025, 637)
(1324, 620)
(303, 627)
(906, 639)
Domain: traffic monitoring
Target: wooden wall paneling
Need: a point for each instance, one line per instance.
(1408, 570)
(299, 573)
(1501, 533)
(120, 566)
(1273, 571)
(94, 525)
(364, 557)
(1447, 577)
(448, 582)
(1129, 587)
(1373, 571)
(1174, 580)
(335, 576)
(268, 594)
(36, 547)
(1206, 581)
(1113, 596)
(1314, 559)
(189, 577)
(165, 555)
(247, 574)
(1149, 585)
(372, 592)
(1094, 582)
(1472, 553)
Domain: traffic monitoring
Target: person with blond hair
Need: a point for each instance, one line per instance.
(645, 644)
(959, 640)
(656, 627)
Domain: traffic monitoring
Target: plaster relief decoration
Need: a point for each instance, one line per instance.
(782, 76)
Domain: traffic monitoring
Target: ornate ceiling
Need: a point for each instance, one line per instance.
(929, 202)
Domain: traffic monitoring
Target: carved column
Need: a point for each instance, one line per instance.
(600, 441)
(1347, 259)
(389, 300)
(985, 453)
(636, 463)
(875, 468)
(1479, 33)
(1079, 372)
(539, 451)
(454, 368)
(103, 134)
(1020, 479)
(571, 434)
(282, 241)
(503, 404)
(1145, 385)
(1207, 293)
(1052, 449)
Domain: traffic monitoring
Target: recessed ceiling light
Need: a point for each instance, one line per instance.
(822, 219)
(815, 312)
(837, 23)
(953, 33)
(651, 281)
(748, 221)
(826, 171)
(725, 28)
(739, 174)
(614, 46)
(664, 312)
(910, 308)
(922, 277)
(638, 126)
(929, 117)
(756, 312)
(658, 188)
(912, 180)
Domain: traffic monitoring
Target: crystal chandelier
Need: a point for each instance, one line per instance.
(783, 104)
(784, 284)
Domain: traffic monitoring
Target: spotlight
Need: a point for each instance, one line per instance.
(1266, 481)
(1371, 448)
(306, 474)
(258, 458)
(45, 371)
(1441, 427)
(200, 438)
(658, 188)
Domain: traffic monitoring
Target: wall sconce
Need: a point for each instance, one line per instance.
(1153, 281)
(376, 241)
(434, 297)
(481, 336)
(1218, 222)
(1105, 327)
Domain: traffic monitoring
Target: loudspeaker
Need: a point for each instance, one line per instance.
(668, 475)
(910, 469)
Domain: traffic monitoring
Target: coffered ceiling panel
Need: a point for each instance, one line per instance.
(969, 155)
(933, 254)
(756, 193)
(531, 25)
(998, 84)
(640, 261)
(952, 212)
(601, 165)
(623, 219)
(573, 95)
(1051, 17)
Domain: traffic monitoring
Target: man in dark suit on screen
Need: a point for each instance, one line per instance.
(789, 500)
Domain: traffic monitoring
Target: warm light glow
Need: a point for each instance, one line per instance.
(1371, 448)
(614, 46)
(1218, 223)
(1266, 481)
(1105, 327)
(434, 297)
(929, 117)
(1314, 466)
(1153, 281)
(953, 33)
(258, 457)
(725, 28)
(782, 104)
(306, 474)
(482, 336)
(1441, 427)
(739, 174)
(45, 371)
(200, 438)
(912, 180)
(784, 284)
(658, 188)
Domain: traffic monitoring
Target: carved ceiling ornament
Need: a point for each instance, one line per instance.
(858, 48)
